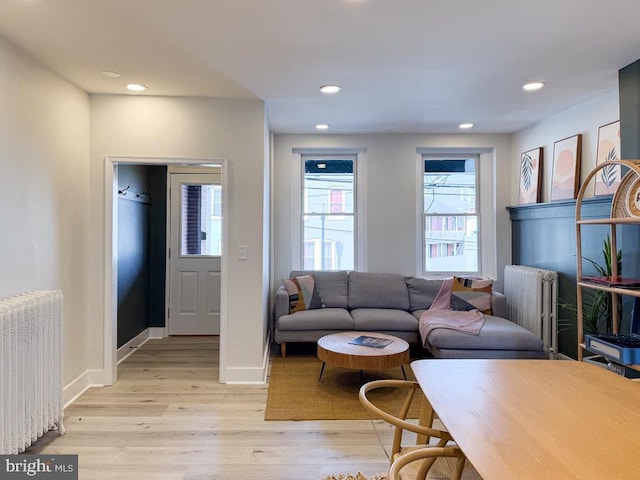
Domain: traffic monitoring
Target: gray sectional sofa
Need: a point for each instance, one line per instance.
(392, 304)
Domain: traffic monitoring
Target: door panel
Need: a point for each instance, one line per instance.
(195, 223)
(213, 297)
(188, 291)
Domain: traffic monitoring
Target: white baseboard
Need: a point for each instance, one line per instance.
(139, 340)
(95, 378)
(157, 332)
(249, 375)
(76, 387)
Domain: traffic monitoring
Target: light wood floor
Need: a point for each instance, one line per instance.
(168, 418)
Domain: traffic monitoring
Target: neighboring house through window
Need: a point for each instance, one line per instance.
(328, 213)
(201, 219)
(450, 214)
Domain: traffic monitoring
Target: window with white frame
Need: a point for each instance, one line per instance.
(328, 213)
(201, 220)
(450, 214)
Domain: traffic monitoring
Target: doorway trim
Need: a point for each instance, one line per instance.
(110, 300)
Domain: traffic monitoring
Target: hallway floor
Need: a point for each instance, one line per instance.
(168, 418)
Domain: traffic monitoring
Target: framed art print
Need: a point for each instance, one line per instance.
(608, 178)
(530, 176)
(565, 174)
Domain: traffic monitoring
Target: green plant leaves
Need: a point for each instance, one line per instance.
(598, 304)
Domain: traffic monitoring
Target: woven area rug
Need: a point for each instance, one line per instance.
(296, 394)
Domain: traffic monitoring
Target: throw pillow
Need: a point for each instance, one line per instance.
(474, 292)
(422, 292)
(303, 293)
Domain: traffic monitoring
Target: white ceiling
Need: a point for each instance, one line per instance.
(404, 65)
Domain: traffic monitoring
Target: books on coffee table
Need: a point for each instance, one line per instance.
(368, 341)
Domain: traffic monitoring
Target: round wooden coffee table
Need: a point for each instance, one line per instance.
(338, 350)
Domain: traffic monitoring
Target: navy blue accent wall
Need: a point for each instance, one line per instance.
(133, 253)
(629, 94)
(141, 250)
(544, 235)
(157, 245)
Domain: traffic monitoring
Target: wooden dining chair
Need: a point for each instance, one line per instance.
(441, 459)
(432, 463)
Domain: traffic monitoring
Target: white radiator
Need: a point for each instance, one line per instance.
(532, 302)
(31, 368)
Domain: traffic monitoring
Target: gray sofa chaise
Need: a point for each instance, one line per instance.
(392, 304)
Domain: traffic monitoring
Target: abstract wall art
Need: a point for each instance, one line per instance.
(530, 176)
(608, 178)
(565, 175)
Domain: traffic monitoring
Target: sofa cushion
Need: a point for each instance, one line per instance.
(378, 290)
(496, 334)
(476, 292)
(422, 292)
(380, 320)
(332, 287)
(322, 319)
(303, 294)
(487, 354)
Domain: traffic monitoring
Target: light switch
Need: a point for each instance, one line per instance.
(243, 252)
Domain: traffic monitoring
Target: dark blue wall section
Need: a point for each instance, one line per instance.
(133, 269)
(141, 249)
(157, 245)
(544, 235)
(629, 94)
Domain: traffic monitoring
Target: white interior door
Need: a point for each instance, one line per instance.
(195, 253)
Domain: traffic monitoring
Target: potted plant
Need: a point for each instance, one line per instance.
(597, 304)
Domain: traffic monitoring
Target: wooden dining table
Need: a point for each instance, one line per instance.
(536, 419)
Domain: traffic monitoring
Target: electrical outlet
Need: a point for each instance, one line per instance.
(243, 252)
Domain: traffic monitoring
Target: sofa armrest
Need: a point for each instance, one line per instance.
(499, 305)
(281, 304)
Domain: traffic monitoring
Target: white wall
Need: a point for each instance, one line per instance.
(584, 118)
(177, 127)
(391, 166)
(44, 213)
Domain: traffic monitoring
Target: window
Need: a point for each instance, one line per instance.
(201, 220)
(450, 215)
(328, 216)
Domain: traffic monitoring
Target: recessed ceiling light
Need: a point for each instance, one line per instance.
(465, 125)
(322, 126)
(330, 88)
(529, 87)
(136, 87)
(111, 74)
